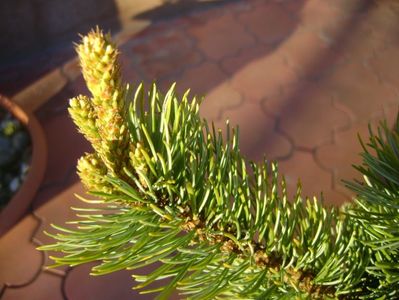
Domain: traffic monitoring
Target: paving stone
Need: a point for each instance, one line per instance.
(274, 103)
(117, 285)
(258, 136)
(322, 16)
(46, 286)
(157, 28)
(164, 54)
(333, 197)
(349, 7)
(200, 79)
(385, 66)
(301, 165)
(292, 6)
(130, 29)
(269, 22)
(263, 77)
(382, 17)
(338, 157)
(362, 42)
(218, 99)
(357, 88)
(221, 37)
(330, 20)
(58, 211)
(391, 112)
(307, 115)
(200, 18)
(232, 64)
(52, 188)
(19, 260)
(240, 6)
(311, 57)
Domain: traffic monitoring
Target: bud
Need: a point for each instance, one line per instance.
(100, 68)
(92, 172)
(83, 115)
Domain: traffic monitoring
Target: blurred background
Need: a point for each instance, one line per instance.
(300, 77)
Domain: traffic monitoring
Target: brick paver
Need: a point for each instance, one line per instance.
(386, 69)
(269, 22)
(300, 77)
(57, 212)
(164, 54)
(334, 156)
(117, 285)
(258, 135)
(302, 165)
(42, 287)
(200, 79)
(366, 96)
(263, 77)
(311, 55)
(221, 37)
(232, 64)
(221, 98)
(20, 262)
(305, 107)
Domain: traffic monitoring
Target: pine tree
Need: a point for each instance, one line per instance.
(171, 191)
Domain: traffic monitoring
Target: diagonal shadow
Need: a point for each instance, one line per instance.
(177, 8)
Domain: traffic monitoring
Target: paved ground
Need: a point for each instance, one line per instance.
(301, 78)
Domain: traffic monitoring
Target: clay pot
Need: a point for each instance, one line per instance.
(20, 202)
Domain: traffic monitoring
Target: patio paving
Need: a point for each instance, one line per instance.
(300, 77)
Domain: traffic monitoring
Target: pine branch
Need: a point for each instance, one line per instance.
(377, 210)
(173, 190)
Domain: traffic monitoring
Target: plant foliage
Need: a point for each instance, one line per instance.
(377, 209)
(172, 191)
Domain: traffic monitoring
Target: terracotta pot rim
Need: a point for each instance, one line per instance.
(20, 202)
